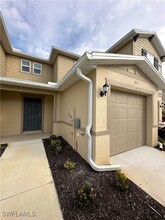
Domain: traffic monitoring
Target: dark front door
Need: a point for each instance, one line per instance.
(32, 114)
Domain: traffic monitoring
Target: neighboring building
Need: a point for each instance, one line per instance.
(39, 95)
(163, 100)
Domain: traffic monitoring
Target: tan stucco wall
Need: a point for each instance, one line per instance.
(48, 114)
(2, 61)
(71, 104)
(12, 112)
(126, 78)
(14, 70)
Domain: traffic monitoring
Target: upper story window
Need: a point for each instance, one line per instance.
(152, 59)
(25, 66)
(37, 68)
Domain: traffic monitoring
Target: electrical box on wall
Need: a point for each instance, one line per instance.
(77, 123)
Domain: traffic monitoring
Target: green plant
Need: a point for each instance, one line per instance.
(85, 195)
(56, 144)
(52, 136)
(69, 165)
(121, 180)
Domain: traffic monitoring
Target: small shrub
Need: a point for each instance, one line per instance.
(56, 144)
(69, 165)
(52, 136)
(121, 180)
(85, 195)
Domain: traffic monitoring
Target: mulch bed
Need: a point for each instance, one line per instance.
(110, 202)
(2, 148)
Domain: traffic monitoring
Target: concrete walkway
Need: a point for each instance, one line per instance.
(27, 187)
(145, 166)
(23, 137)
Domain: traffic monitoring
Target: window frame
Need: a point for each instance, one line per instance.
(25, 66)
(154, 62)
(38, 74)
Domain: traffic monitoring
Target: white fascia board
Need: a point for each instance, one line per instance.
(86, 59)
(153, 74)
(49, 86)
(11, 81)
(97, 55)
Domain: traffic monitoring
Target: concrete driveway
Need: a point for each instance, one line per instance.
(145, 166)
(27, 187)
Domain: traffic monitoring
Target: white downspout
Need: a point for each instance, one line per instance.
(160, 145)
(89, 126)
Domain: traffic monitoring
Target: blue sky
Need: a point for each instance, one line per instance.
(35, 26)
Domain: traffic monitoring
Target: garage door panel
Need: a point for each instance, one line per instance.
(131, 100)
(122, 113)
(132, 127)
(131, 113)
(140, 138)
(114, 98)
(113, 113)
(122, 129)
(139, 126)
(113, 146)
(113, 129)
(122, 144)
(132, 140)
(126, 121)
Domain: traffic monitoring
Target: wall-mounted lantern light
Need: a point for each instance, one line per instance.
(105, 89)
(162, 105)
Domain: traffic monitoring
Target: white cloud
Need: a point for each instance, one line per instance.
(79, 26)
(161, 34)
(14, 18)
(41, 53)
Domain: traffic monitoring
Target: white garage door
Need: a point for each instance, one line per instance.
(126, 121)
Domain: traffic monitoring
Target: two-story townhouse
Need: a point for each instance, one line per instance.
(26, 96)
(65, 95)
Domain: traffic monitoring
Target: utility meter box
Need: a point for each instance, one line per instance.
(77, 123)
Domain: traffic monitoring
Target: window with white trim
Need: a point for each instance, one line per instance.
(37, 68)
(152, 59)
(25, 66)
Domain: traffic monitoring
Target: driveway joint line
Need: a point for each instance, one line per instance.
(26, 191)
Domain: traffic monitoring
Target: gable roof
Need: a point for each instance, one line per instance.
(88, 62)
(5, 40)
(133, 34)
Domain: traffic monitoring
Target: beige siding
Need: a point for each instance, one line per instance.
(64, 65)
(127, 49)
(145, 44)
(2, 61)
(11, 113)
(14, 70)
(55, 68)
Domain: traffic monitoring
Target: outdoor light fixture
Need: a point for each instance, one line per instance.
(105, 89)
(162, 105)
